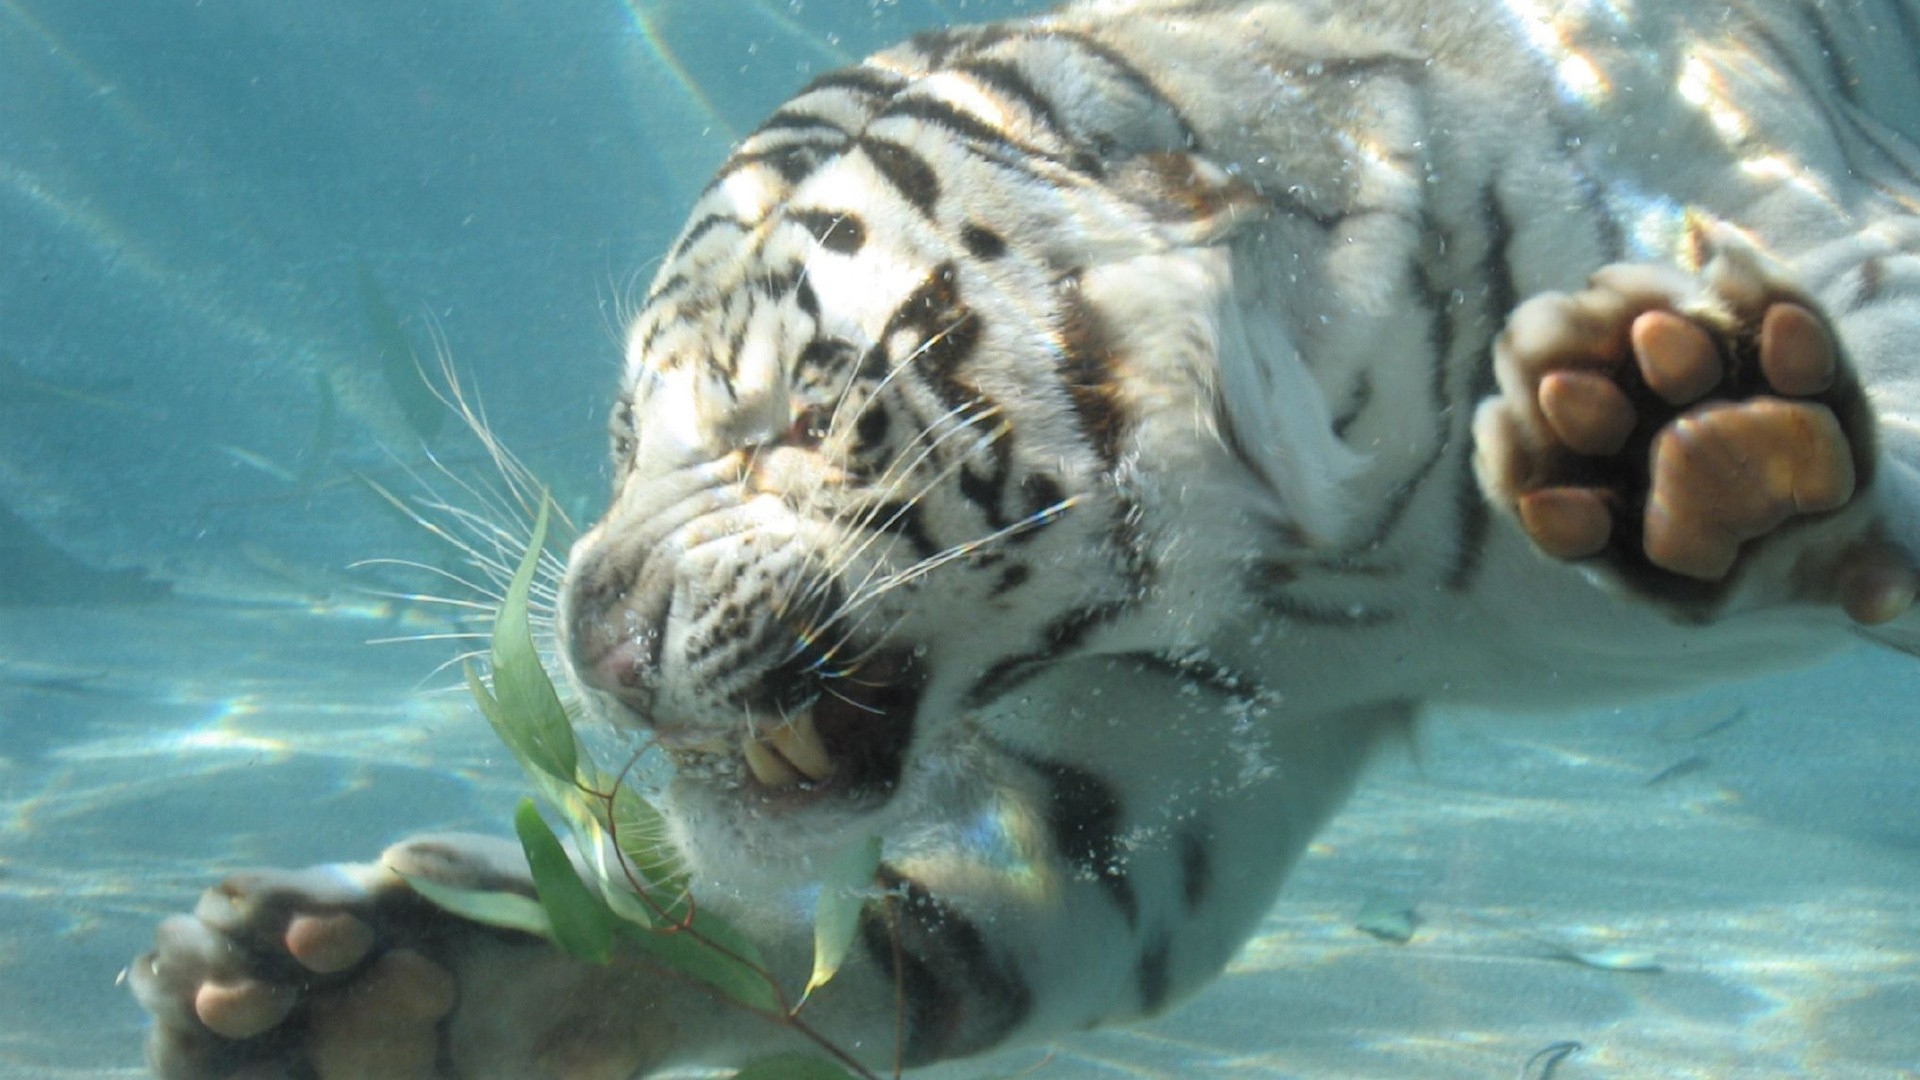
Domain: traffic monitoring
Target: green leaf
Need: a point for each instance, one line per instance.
(843, 891)
(525, 710)
(741, 977)
(582, 923)
(729, 937)
(502, 724)
(641, 835)
(526, 713)
(792, 1067)
(506, 910)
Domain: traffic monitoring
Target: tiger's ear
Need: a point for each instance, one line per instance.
(1194, 200)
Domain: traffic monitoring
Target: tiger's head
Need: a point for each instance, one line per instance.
(881, 452)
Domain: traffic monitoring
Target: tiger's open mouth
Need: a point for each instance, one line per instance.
(842, 736)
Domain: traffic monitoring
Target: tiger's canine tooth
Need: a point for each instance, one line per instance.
(798, 741)
(767, 767)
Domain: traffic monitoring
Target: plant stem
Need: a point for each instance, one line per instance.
(787, 1015)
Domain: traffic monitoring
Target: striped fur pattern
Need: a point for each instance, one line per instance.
(1074, 417)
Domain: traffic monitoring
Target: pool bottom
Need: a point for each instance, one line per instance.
(1713, 887)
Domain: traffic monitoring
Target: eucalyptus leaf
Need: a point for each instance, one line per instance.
(563, 793)
(641, 835)
(729, 937)
(580, 811)
(630, 908)
(526, 710)
(843, 891)
(741, 977)
(527, 714)
(501, 723)
(582, 923)
(492, 907)
(792, 1067)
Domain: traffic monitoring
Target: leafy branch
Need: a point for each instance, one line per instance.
(640, 899)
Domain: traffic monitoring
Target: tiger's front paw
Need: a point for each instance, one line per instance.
(347, 973)
(330, 972)
(1677, 426)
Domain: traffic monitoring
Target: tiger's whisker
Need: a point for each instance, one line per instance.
(860, 532)
(869, 534)
(959, 551)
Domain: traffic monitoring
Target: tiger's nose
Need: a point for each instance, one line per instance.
(612, 633)
(653, 602)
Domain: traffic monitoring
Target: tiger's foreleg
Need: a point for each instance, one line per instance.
(1045, 899)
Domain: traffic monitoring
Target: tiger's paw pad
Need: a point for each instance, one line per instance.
(322, 973)
(1671, 425)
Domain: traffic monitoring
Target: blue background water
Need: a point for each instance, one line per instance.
(192, 393)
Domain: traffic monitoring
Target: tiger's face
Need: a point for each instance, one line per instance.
(876, 463)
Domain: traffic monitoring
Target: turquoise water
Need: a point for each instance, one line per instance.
(222, 223)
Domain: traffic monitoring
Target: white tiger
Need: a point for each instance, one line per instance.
(1066, 447)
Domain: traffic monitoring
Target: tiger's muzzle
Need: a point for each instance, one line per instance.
(718, 635)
